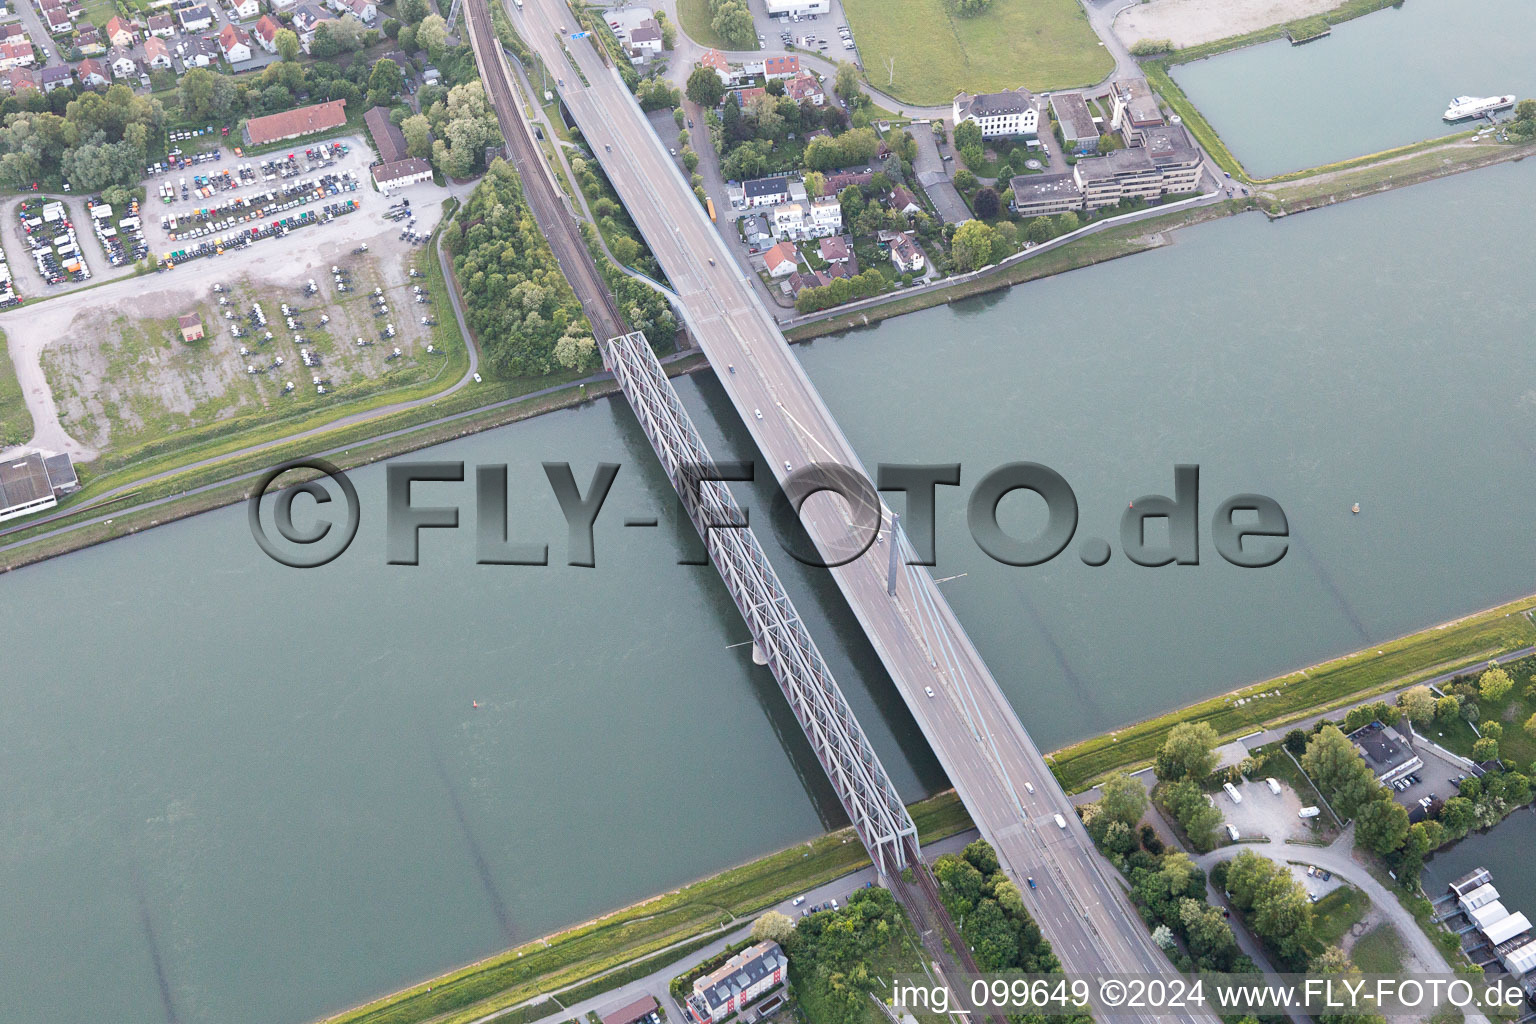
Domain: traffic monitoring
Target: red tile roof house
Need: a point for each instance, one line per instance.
(716, 62)
(236, 44)
(781, 67)
(805, 87)
(782, 259)
(156, 53)
(119, 32)
(903, 201)
(266, 31)
(92, 73)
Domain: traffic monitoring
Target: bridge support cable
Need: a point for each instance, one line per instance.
(845, 753)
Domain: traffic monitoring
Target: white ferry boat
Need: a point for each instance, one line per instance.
(1464, 107)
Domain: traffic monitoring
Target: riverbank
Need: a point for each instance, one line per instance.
(1274, 703)
(642, 935)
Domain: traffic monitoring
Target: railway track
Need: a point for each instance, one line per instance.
(539, 189)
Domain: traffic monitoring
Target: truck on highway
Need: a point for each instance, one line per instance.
(709, 204)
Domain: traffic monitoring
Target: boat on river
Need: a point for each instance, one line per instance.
(1464, 108)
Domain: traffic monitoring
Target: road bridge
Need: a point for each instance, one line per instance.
(974, 731)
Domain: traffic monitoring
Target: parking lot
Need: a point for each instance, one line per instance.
(1263, 813)
(1434, 780)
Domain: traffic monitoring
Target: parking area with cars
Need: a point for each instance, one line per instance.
(1263, 812)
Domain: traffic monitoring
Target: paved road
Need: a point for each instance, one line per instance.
(972, 728)
(1339, 857)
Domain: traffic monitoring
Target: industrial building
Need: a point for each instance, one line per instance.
(294, 124)
(34, 483)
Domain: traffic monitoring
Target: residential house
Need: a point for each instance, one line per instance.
(306, 19)
(122, 65)
(162, 25)
(363, 10)
(644, 42)
(23, 82)
(755, 229)
(195, 19)
(903, 201)
(1078, 131)
(58, 76)
(803, 279)
(89, 41)
(120, 33)
(781, 260)
(245, 10)
(765, 192)
(13, 33)
(835, 183)
(906, 255)
(747, 96)
(265, 32)
(15, 55)
(277, 6)
(811, 218)
(999, 114)
(198, 52)
(781, 67)
(57, 21)
(834, 249)
(740, 981)
(805, 87)
(235, 42)
(716, 62)
(156, 54)
(92, 73)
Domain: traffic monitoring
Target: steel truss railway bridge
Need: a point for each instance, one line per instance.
(974, 731)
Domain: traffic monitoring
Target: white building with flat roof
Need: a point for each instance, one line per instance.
(1506, 928)
(797, 8)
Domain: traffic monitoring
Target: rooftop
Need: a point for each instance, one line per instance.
(23, 481)
(318, 117)
(631, 1012)
(1380, 746)
(1043, 186)
(1139, 101)
(1072, 113)
(387, 138)
(992, 104)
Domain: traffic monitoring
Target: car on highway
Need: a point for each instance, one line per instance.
(758, 413)
(928, 690)
(797, 901)
(1029, 786)
(1031, 882)
(1060, 821)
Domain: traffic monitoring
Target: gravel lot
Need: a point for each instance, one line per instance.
(1189, 22)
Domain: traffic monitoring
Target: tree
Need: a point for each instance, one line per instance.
(964, 180)
(1458, 815)
(1277, 906)
(1447, 708)
(1493, 730)
(1485, 749)
(1210, 937)
(1419, 703)
(704, 87)
(412, 11)
(771, 926)
(1494, 685)
(1530, 726)
(1188, 752)
(205, 94)
(1124, 799)
(432, 36)
(418, 135)
(971, 248)
(967, 133)
(1194, 813)
(1040, 230)
(734, 23)
(1381, 825)
(1334, 961)
(986, 203)
(287, 43)
(384, 83)
(847, 81)
(1336, 766)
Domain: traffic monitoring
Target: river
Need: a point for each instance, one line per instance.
(261, 794)
(1379, 81)
(1504, 850)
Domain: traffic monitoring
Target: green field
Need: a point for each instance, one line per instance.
(1041, 44)
(1379, 951)
(15, 420)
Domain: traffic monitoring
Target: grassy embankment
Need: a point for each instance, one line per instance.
(15, 421)
(694, 19)
(1331, 684)
(937, 52)
(628, 943)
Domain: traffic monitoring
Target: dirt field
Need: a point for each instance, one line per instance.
(121, 375)
(1189, 22)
